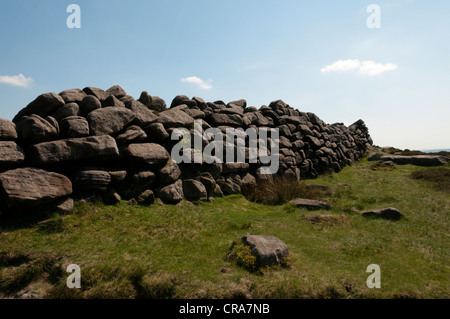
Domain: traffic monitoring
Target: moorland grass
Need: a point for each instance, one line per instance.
(165, 251)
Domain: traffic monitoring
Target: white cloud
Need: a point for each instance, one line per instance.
(369, 68)
(197, 81)
(342, 65)
(16, 80)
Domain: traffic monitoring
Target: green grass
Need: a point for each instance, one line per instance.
(181, 251)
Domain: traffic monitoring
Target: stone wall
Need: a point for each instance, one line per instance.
(91, 142)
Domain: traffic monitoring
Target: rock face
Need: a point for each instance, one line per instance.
(111, 144)
(26, 187)
(268, 250)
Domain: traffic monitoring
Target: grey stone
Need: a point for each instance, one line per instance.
(173, 193)
(268, 250)
(133, 134)
(34, 129)
(194, 190)
(174, 118)
(74, 126)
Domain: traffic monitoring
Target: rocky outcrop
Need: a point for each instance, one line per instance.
(419, 160)
(108, 143)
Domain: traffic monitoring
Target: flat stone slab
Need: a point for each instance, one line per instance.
(385, 213)
(26, 187)
(310, 204)
(419, 160)
(268, 250)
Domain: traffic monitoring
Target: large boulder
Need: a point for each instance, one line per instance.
(71, 109)
(109, 120)
(146, 153)
(88, 104)
(116, 91)
(98, 93)
(10, 154)
(133, 134)
(7, 130)
(43, 105)
(26, 187)
(93, 148)
(169, 173)
(34, 129)
(157, 133)
(194, 190)
(73, 95)
(172, 194)
(268, 250)
(74, 126)
(220, 119)
(91, 180)
(144, 116)
(175, 118)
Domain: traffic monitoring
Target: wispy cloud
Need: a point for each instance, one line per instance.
(205, 85)
(16, 80)
(369, 68)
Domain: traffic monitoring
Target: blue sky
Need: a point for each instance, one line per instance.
(395, 78)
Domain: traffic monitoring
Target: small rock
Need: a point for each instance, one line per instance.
(268, 250)
(385, 213)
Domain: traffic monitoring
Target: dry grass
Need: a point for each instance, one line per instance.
(439, 177)
(279, 191)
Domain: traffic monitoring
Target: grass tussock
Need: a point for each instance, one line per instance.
(438, 177)
(279, 191)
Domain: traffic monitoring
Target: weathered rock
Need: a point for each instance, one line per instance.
(34, 129)
(232, 120)
(133, 134)
(385, 213)
(136, 183)
(71, 109)
(11, 154)
(248, 181)
(94, 148)
(169, 173)
(310, 204)
(157, 133)
(235, 167)
(268, 250)
(72, 96)
(74, 126)
(144, 116)
(116, 91)
(98, 93)
(64, 205)
(26, 187)
(112, 101)
(91, 180)
(194, 190)
(419, 160)
(43, 105)
(88, 104)
(174, 118)
(231, 185)
(178, 100)
(7, 130)
(158, 104)
(146, 153)
(146, 198)
(109, 120)
(173, 193)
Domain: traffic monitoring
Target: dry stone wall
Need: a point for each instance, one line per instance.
(91, 142)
